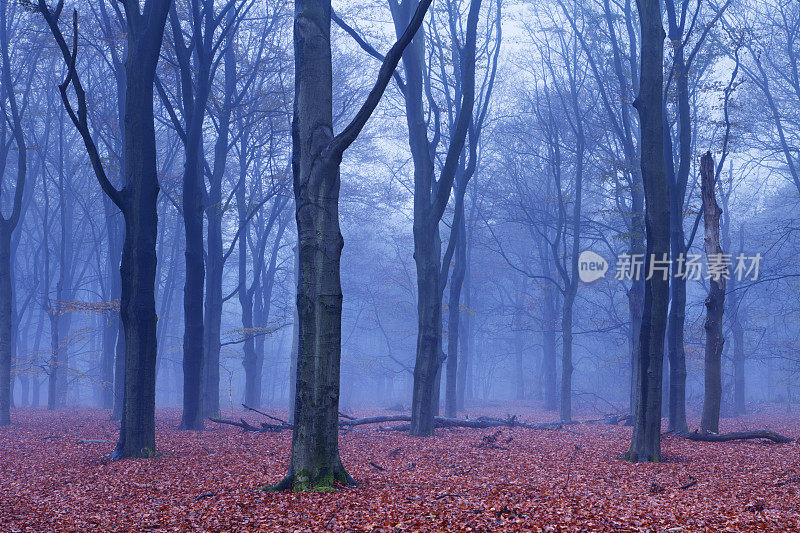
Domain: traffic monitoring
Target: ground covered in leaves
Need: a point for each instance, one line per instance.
(54, 476)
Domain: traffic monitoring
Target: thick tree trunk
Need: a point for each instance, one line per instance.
(316, 157)
(429, 323)
(715, 302)
(193, 332)
(646, 439)
(429, 205)
(315, 439)
(138, 270)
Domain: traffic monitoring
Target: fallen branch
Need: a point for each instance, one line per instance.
(439, 422)
(245, 426)
(284, 422)
(736, 435)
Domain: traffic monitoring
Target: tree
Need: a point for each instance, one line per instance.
(646, 439)
(678, 179)
(715, 302)
(457, 246)
(8, 224)
(316, 156)
(137, 201)
(430, 200)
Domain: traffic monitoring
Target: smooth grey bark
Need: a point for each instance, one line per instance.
(715, 302)
(316, 157)
(646, 439)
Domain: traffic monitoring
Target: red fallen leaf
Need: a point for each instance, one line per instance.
(57, 484)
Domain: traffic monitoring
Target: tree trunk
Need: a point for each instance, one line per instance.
(216, 258)
(252, 375)
(636, 291)
(550, 353)
(6, 287)
(430, 200)
(454, 317)
(138, 269)
(193, 332)
(715, 302)
(646, 439)
(429, 310)
(739, 403)
(111, 323)
(213, 310)
(465, 339)
(677, 182)
(316, 157)
(7, 227)
(295, 341)
(315, 444)
(675, 327)
(565, 409)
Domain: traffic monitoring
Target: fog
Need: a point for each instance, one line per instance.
(469, 190)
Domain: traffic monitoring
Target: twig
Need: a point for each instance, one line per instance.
(569, 468)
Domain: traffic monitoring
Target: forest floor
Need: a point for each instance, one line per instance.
(54, 476)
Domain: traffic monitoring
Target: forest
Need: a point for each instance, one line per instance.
(451, 265)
